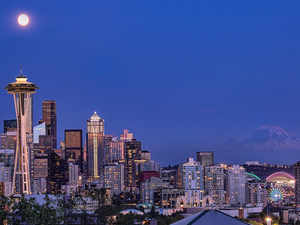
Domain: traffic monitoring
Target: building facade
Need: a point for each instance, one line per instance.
(7, 157)
(132, 152)
(214, 180)
(148, 188)
(205, 157)
(58, 173)
(95, 147)
(113, 178)
(297, 183)
(9, 140)
(5, 173)
(256, 193)
(9, 125)
(73, 147)
(49, 117)
(235, 185)
(192, 175)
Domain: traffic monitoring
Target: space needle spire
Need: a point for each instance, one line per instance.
(21, 90)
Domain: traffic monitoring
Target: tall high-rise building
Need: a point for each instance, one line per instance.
(73, 147)
(10, 125)
(21, 90)
(132, 152)
(49, 117)
(297, 183)
(214, 183)
(41, 142)
(107, 140)
(95, 147)
(113, 178)
(235, 185)
(58, 173)
(192, 175)
(205, 157)
(115, 149)
(193, 181)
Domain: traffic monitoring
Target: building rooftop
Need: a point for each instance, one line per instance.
(95, 116)
(210, 217)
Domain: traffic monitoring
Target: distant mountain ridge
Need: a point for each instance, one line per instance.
(269, 137)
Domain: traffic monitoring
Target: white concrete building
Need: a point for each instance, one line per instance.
(235, 185)
(192, 175)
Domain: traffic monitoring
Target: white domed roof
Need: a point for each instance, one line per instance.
(132, 210)
(95, 116)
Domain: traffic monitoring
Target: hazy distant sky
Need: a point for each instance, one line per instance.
(182, 76)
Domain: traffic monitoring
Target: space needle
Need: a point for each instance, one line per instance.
(21, 89)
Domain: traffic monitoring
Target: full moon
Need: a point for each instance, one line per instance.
(23, 20)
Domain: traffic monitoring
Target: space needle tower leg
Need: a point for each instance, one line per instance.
(21, 90)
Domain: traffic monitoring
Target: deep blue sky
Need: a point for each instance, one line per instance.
(182, 76)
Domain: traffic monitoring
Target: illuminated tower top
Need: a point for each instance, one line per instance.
(21, 85)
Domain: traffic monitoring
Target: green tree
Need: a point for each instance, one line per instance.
(5, 207)
(127, 219)
(104, 210)
(25, 211)
(77, 210)
(50, 212)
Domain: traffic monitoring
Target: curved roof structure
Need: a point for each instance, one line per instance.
(251, 176)
(133, 211)
(279, 176)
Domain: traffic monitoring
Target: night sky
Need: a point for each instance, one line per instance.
(182, 76)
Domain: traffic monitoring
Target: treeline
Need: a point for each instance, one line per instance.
(74, 209)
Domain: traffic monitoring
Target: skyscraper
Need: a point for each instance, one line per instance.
(192, 175)
(235, 185)
(73, 147)
(58, 173)
(205, 157)
(49, 117)
(95, 147)
(214, 183)
(21, 90)
(113, 178)
(132, 152)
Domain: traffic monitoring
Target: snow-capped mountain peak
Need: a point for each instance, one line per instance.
(269, 137)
